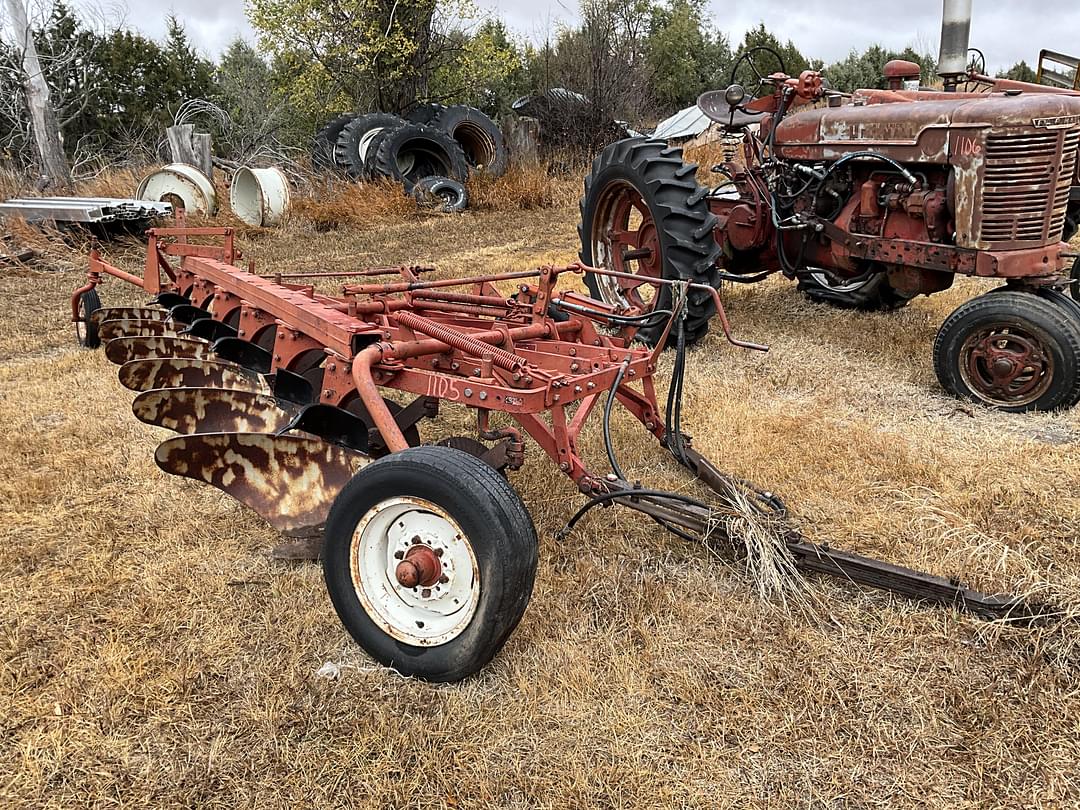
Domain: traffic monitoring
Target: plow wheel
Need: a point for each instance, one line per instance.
(86, 329)
(1011, 350)
(645, 213)
(429, 557)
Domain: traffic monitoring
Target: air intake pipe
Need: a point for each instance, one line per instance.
(955, 35)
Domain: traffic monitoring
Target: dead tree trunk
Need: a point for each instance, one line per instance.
(43, 120)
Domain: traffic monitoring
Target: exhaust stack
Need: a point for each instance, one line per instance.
(955, 35)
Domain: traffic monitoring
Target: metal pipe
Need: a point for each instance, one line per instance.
(955, 36)
(407, 286)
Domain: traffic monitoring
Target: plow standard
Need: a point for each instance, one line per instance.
(275, 393)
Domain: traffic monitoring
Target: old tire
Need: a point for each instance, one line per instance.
(1072, 222)
(479, 136)
(470, 520)
(637, 177)
(442, 192)
(325, 140)
(1010, 350)
(357, 138)
(414, 151)
(86, 331)
(874, 294)
(423, 113)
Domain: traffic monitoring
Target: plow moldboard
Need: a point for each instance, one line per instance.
(134, 327)
(289, 480)
(125, 349)
(129, 313)
(175, 372)
(211, 410)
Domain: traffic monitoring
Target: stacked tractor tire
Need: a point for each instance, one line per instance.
(431, 150)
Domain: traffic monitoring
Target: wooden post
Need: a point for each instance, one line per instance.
(522, 136)
(43, 120)
(203, 153)
(191, 147)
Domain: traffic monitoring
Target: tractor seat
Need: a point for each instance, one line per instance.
(717, 109)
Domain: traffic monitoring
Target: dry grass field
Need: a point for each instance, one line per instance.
(151, 655)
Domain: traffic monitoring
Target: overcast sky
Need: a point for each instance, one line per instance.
(827, 29)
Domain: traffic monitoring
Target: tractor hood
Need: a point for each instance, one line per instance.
(918, 131)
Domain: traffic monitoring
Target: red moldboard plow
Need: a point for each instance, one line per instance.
(428, 552)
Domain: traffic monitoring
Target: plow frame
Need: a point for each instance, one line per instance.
(286, 357)
(479, 349)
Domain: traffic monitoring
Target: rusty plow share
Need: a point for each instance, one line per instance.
(275, 394)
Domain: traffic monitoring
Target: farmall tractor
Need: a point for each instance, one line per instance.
(867, 200)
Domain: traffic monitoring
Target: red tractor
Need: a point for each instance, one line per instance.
(867, 200)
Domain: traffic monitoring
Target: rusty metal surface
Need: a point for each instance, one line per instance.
(290, 481)
(124, 349)
(140, 313)
(212, 410)
(143, 375)
(132, 327)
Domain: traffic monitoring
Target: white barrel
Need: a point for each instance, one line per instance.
(259, 196)
(182, 185)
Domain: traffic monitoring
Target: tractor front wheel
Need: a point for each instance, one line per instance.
(1011, 350)
(429, 557)
(645, 214)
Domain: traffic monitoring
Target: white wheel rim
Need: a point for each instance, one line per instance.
(365, 142)
(425, 615)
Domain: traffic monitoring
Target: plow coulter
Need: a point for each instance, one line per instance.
(275, 394)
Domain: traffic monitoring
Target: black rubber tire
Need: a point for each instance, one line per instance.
(1074, 280)
(876, 295)
(325, 140)
(479, 136)
(357, 135)
(1072, 221)
(678, 205)
(424, 112)
(1055, 326)
(89, 303)
(449, 195)
(433, 152)
(498, 526)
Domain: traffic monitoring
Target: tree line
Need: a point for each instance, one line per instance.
(115, 91)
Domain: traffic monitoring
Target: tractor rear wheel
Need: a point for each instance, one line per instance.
(873, 294)
(429, 557)
(644, 213)
(1011, 350)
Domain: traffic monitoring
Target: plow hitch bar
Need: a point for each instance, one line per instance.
(275, 391)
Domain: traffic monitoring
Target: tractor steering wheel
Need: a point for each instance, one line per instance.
(747, 56)
(976, 61)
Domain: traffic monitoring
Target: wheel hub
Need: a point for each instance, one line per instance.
(414, 571)
(1007, 365)
(624, 233)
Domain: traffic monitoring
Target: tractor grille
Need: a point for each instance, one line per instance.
(1026, 185)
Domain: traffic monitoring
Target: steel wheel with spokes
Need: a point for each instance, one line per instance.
(429, 558)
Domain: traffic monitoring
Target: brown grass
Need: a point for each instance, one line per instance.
(154, 657)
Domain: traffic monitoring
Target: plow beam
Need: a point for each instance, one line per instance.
(179, 372)
(291, 481)
(212, 410)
